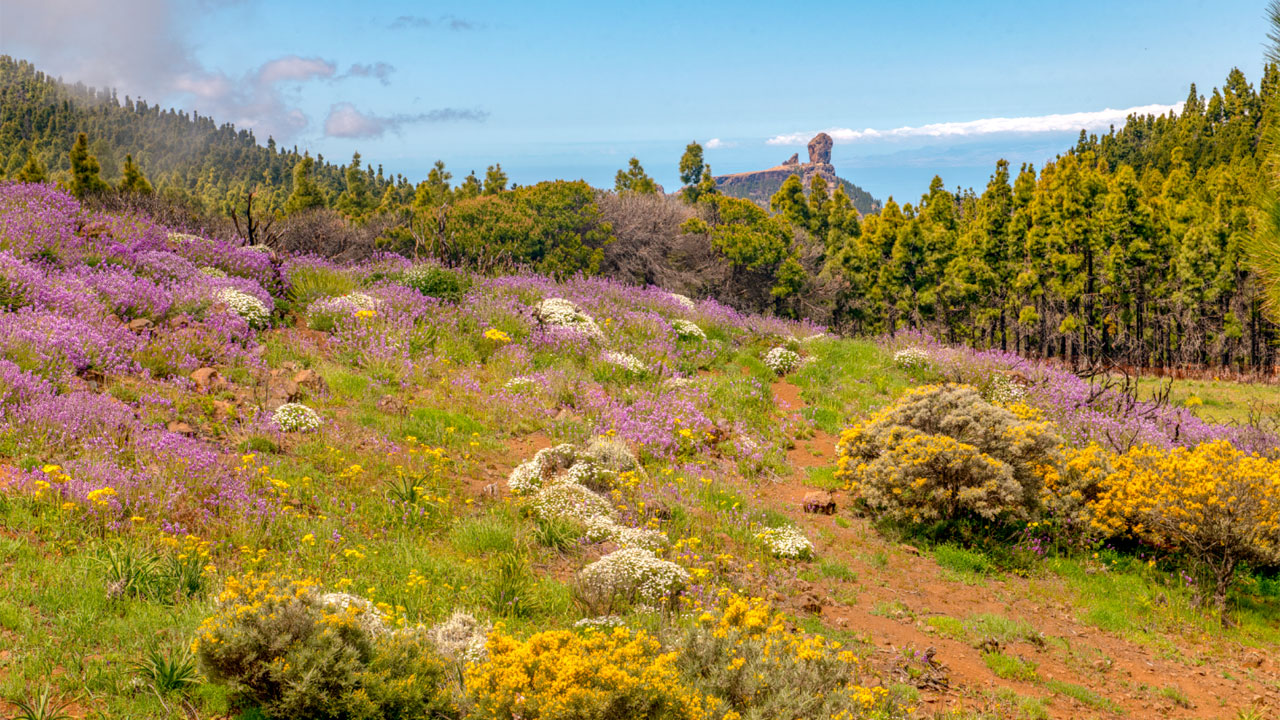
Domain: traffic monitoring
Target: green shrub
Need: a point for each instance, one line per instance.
(311, 282)
(297, 654)
(437, 282)
(942, 454)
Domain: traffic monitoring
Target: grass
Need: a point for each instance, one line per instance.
(1081, 694)
(1223, 401)
(1010, 667)
(985, 628)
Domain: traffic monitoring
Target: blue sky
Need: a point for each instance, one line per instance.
(573, 89)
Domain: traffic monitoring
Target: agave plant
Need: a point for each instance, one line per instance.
(167, 673)
(42, 706)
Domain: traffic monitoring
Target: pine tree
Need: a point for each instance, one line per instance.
(634, 179)
(495, 181)
(85, 169)
(133, 181)
(692, 170)
(355, 201)
(32, 171)
(789, 202)
(435, 190)
(306, 194)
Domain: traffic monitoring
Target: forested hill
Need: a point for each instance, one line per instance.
(180, 153)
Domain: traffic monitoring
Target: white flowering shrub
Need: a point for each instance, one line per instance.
(606, 529)
(627, 362)
(364, 613)
(253, 310)
(912, 358)
(781, 360)
(787, 542)
(296, 417)
(323, 314)
(1004, 391)
(588, 474)
(529, 476)
(558, 312)
(811, 338)
(599, 622)
(570, 501)
(213, 272)
(628, 577)
(683, 301)
(686, 330)
(520, 384)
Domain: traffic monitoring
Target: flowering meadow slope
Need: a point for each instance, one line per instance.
(240, 484)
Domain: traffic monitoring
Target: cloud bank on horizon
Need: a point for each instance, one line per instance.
(1055, 123)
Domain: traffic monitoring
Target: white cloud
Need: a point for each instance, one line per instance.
(714, 143)
(1065, 122)
(347, 121)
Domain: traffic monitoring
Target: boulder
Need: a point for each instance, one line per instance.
(179, 427)
(819, 502)
(820, 149)
(139, 324)
(207, 378)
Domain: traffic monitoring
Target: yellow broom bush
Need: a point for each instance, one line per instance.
(1213, 502)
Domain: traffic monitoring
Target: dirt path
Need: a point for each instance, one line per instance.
(896, 591)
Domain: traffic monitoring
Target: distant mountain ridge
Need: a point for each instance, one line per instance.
(759, 185)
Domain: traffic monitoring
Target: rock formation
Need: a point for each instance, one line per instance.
(820, 149)
(760, 185)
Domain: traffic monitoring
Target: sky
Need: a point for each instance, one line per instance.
(572, 90)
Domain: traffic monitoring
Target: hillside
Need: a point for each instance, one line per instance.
(226, 473)
(185, 154)
(760, 185)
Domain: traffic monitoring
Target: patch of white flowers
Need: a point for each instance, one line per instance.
(781, 360)
(633, 573)
(558, 312)
(296, 417)
(520, 384)
(213, 272)
(253, 310)
(687, 330)
(1006, 391)
(529, 476)
(605, 529)
(630, 363)
(787, 542)
(570, 501)
(912, 358)
(600, 622)
(348, 304)
(358, 609)
(683, 301)
(811, 338)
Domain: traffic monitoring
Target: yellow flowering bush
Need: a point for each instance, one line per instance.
(616, 674)
(1216, 504)
(941, 452)
(749, 665)
(1071, 488)
(295, 653)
